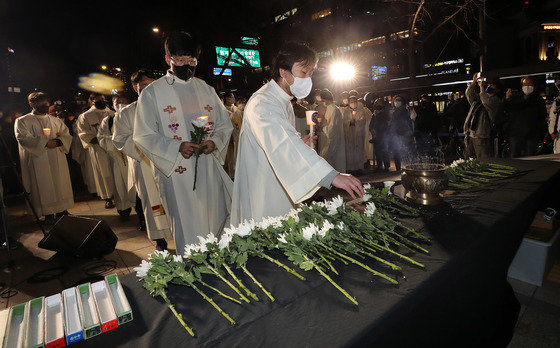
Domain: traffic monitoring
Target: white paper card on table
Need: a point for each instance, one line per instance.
(4, 315)
(54, 322)
(35, 333)
(122, 307)
(15, 330)
(72, 321)
(105, 309)
(88, 311)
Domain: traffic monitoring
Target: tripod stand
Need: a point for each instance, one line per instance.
(3, 213)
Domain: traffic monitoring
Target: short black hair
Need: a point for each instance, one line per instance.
(37, 97)
(94, 95)
(327, 95)
(180, 43)
(140, 74)
(291, 53)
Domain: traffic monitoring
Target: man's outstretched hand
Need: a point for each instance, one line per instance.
(349, 184)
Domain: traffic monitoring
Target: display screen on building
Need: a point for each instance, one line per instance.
(249, 41)
(252, 56)
(377, 72)
(227, 71)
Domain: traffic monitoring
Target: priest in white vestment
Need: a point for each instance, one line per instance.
(276, 167)
(331, 137)
(156, 218)
(368, 145)
(88, 126)
(125, 195)
(44, 141)
(355, 127)
(163, 122)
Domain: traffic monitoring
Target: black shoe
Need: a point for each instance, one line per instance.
(161, 244)
(125, 214)
(142, 226)
(109, 204)
(14, 244)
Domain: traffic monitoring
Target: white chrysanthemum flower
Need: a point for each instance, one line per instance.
(370, 209)
(340, 225)
(199, 122)
(201, 248)
(276, 222)
(177, 258)
(189, 248)
(294, 214)
(367, 186)
(142, 270)
(366, 197)
(282, 238)
(327, 226)
(265, 223)
(334, 204)
(309, 231)
(225, 240)
(244, 229)
(164, 253)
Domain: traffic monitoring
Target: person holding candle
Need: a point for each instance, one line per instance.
(276, 167)
(166, 113)
(44, 141)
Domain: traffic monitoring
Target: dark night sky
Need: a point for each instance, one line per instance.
(56, 42)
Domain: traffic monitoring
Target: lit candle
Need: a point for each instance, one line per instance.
(47, 131)
(311, 122)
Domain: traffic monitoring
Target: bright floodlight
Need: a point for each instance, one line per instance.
(104, 67)
(155, 30)
(342, 71)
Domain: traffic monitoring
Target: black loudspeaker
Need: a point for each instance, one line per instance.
(80, 236)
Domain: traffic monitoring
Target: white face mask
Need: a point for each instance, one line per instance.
(301, 86)
(528, 89)
(398, 104)
(318, 99)
(353, 105)
(345, 101)
(241, 106)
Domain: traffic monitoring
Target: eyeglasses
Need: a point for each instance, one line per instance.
(182, 60)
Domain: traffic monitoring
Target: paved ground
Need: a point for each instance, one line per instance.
(538, 325)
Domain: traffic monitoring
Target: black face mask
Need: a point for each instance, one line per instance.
(42, 109)
(184, 72)
(100, 104)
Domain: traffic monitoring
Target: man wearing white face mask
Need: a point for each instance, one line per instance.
(276, 167)
(354, 134)
(526, 117)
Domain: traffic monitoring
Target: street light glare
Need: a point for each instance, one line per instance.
(104, 67)
(155, 30)
(342, 71)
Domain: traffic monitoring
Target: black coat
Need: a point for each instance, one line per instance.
(526, 118)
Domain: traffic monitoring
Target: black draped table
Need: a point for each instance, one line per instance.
(462, 298)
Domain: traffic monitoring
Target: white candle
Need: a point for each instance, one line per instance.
(47, 131)
(309, 116)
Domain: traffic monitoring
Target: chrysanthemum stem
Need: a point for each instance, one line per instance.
(258, 283)
(227, 282)
(240, 283)
(213, 304)
(280, 264)
(219, 292)
(178, 315)
(326, 276)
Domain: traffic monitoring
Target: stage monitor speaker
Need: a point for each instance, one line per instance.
(80, 236)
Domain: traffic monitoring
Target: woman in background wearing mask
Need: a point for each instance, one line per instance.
(526, 118)
(400, 131)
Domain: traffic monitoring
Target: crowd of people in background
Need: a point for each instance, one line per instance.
(355, 131)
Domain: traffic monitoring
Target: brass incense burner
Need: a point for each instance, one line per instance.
(424, 182)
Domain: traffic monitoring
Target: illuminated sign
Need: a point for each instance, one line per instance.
(377, 72)
(252, 56)
(447, 62)
(227, 71)
(551, 27)
(249, 41)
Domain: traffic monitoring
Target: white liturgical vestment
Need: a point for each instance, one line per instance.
(275, 169)
(44, 171)
(164, 115)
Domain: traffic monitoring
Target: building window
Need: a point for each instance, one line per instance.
(321, 14)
